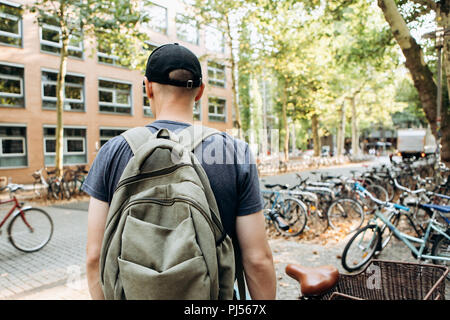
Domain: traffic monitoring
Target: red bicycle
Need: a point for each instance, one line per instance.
(30, 228)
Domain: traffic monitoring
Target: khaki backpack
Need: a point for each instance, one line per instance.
(164, 238)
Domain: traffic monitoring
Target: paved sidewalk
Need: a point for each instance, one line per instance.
(61, 259)
(70, 290)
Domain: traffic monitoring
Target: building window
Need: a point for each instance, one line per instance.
(216, 74)
(108, 133)
(105, 55)
(216, 109)
(187, 29)
(50, 38)
(11, 24)
(114, 97)
(198, 111)
(73, 91)
(214, 39)
(13, 146)
(146, 103)
(74, 146)
(11, 86)
(158, 17)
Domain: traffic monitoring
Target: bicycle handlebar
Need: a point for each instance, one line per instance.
(363, 190)
(13, 187)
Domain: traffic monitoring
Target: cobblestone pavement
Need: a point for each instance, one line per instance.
(60, 260)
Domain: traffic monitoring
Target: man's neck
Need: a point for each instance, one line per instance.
(175, 116)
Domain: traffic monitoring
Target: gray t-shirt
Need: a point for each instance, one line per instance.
(228, 163)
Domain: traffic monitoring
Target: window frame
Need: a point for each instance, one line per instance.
(12, 95)
(25, 146)
(199, 103)
(65, 138)
(58, 45)
(194, 25)
(207, 29)
(215, 109)
(215, 69)
(147, 7)
(113, 104)
(144, 106)
(108, 128)
(20, 24)
(66, 84)
(24, 153)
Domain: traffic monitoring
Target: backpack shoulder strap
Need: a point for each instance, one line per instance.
(136, 137)
(193, 135)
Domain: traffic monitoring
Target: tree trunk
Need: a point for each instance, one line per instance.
(315, 134)
(285, 124)
(341, 131)
(443, 14)
(421, 74)
(60, 94)
(234, 88)
(355, 132)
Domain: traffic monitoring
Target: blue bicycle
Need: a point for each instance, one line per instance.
(372, 238)
(286, 213)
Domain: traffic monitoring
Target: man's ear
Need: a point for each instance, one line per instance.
(148, 88)
(200, 92)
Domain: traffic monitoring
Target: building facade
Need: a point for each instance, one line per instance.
(102, 98)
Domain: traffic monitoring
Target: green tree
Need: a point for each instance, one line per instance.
(107, 21)
(401, 15)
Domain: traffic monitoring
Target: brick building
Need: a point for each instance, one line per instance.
(102, 99)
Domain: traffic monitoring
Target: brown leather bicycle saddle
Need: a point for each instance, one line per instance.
(314, 281)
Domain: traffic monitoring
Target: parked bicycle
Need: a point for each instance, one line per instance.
(30, 228)
(54, 187)
(75, 179)
(286, 213)
(368, 241)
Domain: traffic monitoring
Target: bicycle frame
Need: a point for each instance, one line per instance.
(16, 209)
(407, 239)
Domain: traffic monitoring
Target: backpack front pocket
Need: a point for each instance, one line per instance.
(187, 280)
(157, 247)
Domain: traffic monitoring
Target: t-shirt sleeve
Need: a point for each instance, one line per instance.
(250, 199)
(96, 184)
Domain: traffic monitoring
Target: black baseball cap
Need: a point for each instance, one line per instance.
(169, 57)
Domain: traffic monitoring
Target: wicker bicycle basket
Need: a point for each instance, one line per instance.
(392, 280)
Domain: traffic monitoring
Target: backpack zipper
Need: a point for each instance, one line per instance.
(167, 202)
(150, 174)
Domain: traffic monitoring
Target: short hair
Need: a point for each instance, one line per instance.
(180, 75)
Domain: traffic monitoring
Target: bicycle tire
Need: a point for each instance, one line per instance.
(294, 214)
(55, 190)
(443, 243)
(386, 233)
(345, 210)
(67, 194)
(34, 217)
(373, 238)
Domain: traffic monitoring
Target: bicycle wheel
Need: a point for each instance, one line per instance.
(378, 192)
(317, 220)
(55, 190)
(30, 230)
(360, 248)
(441, 248)
(386, 232)
(345, 214)
(294, 214)
(66, 190)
